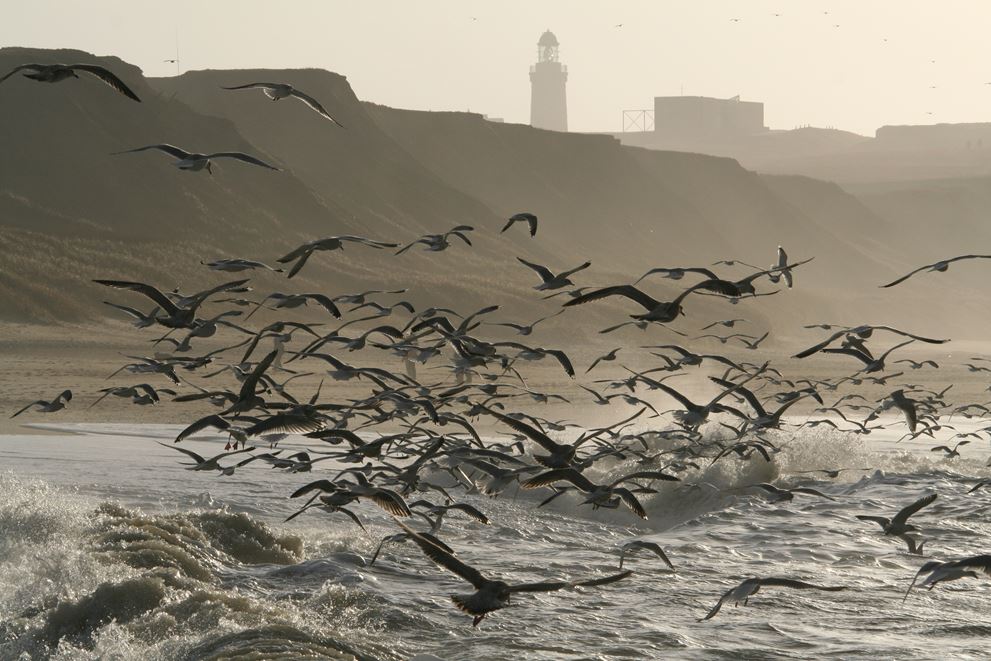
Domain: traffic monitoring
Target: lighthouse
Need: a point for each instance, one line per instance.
(548, 102)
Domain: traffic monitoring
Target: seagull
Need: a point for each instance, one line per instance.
(728, 323)
(659, 311)
(303, 252)
(751, 586)
(918, 364)
(980, 485)
(195, 162)
(609, 357)
(276, 91)
(181, 315)
(528, 218)
(523, 329)
(401, 537)
(282, 301)
(237, 265)
(211, 464)
(44, 406)
(937, 267)
(550, 281)
(855, 336)
(754, 343)
(950, 452)
(831, 472)
(142, 393)
(678, 273)
(899, 524)
(777, 495)
(638, 544)
(599, 495)
(745, 287)
(343, 492)
(54, 73)
(141, 320)
(898, 400)
(438, 242)
(781, 269)
(941, 572)
(491, 595)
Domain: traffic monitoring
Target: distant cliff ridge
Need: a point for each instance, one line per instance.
(74, 212)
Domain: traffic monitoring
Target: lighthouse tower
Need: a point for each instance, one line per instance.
(548, 102)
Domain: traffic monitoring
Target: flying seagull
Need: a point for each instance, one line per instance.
(937, 267)
(528, 218)
(491, 595)
(899, 524)
(638, 544)
(303, 252)
(660, 311)
(54, 73)
(751, 586)
(550, 280)
(44, 406)
(276, 91)
(940, 572)
(191, 161)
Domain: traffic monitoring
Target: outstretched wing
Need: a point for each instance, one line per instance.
(323, 485)
(36, 67)
(250, 384)
(882, 521)
(920, 338)
(560, 475)
(40, 401)
(576, 269)
(151, 292)
(629, 291)
(605, 580)
(313, 103)
(719, 604)
(242, 157)
(798, 585)
(195, 457)
(822, 345)
(285, 423)
(325, 301)
(812, 492)
(532, 433)
(374, 244)
(171, 150)
(903, 515)
(549, 586)
(944, 263)
(305, 255)
(214, 421)
(445, 559)
(252, 85)
(631, 501)
(108, 77)
(544, 273)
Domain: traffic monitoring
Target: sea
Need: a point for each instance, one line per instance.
(110, 548)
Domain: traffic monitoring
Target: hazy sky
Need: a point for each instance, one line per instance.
(863, 64)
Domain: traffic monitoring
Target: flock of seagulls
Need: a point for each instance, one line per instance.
(416, 435)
